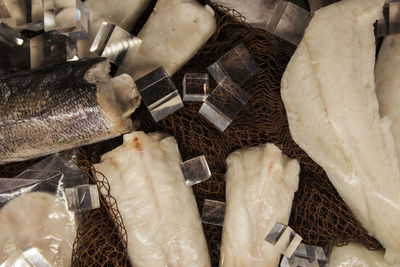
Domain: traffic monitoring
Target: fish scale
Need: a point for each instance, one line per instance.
(51, 109)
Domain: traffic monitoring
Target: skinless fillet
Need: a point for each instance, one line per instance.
(40, 220)
(174, 32)
(68, 105)
(260, 185)
(356, 255)
(159, 211)
(123, 13)
(388, 84)
(329, 95)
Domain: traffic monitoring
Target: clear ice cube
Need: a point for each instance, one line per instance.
(382, 24)
(195, 86)
(213, 212)
(195, 170)
(159, 94)
(306, 255)
(283, 238)
(114, 42)
(317, 4)
(394, 17)
(70, 17)
(237, 65)
(82, 197)
(14, 50)
(34, 257)
(4, 13)
(27, 14)
(224, 103)
(293, 23)
(389, 23)
(52, 48)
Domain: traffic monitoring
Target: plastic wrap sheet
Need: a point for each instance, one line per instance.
(37, 226)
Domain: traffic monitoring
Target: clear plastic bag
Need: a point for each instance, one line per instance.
(37, 226)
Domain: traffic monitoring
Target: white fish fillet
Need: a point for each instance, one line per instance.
(123, 13)
(172, 35)
(40, 220)
(260, 186)
(356, 255)
(158, 209)
(329, 95)
(388, 84)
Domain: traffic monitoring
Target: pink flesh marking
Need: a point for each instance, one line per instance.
(149, 178)
(261, 205)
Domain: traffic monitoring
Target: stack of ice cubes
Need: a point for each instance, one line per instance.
(64, 22)
(283, 238)
(231, 71)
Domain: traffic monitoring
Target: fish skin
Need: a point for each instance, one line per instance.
(328, 90)
(158, 210)
(260, 186)
(52, 109)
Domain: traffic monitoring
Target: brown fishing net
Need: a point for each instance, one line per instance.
(101, 239)
(319, 215)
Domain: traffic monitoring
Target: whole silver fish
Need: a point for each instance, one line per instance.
(68, 105)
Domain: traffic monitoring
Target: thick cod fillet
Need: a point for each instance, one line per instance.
(41, 220)
(329, 94)
(260, 185)
(123, 13)
(356, 255)
(159, 211)
(174, 32)
(388, 84)
(68, 105)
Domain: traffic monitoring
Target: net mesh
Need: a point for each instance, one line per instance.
(319, 215)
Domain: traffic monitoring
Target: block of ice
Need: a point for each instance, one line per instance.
(14, 50)
(113, 42)
(82, 197)
(306, 256)
(159, 94)
(284, 239)
(27, 14)
(195, 170)
(317, 4)
(237, 64)
(52, 48)
(195, 86)
(224, 103)
(67, 16)
(213, 212)
(34, 257)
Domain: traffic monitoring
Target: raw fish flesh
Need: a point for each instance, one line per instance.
(356, 255)
(172, 35)
(158, 210)
(123, 13)
(260, 185)
(388, 84)
(40, 220)
(48, 110)
(329, 94)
